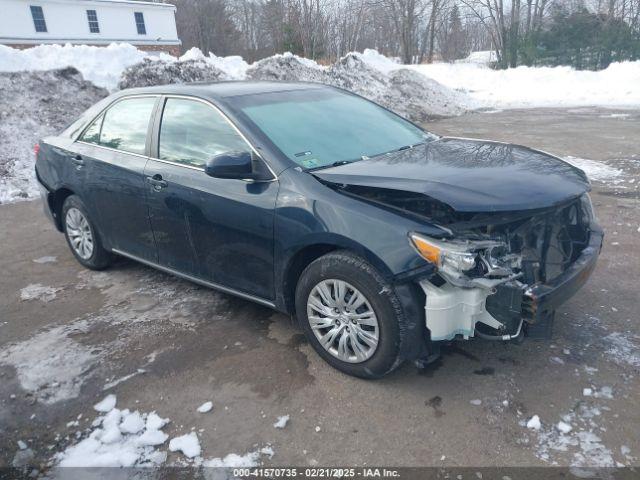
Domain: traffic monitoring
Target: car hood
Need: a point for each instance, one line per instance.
(468, 175)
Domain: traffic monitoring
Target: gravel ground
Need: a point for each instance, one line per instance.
(69, 336)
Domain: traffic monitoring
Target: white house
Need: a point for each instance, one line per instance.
(147, 25)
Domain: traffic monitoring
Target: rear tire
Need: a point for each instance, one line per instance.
(82, 236)
(365, 341)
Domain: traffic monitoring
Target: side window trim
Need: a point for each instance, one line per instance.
(150, 126)
(157, 123)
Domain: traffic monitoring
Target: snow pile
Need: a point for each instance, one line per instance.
(533, 87)
(286, 68)
(100, 65)
(120, 438)
(34, 105)
(403, 91)
(596, 171)
(151, 72)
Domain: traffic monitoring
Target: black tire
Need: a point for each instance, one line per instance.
(344, 265)
(100, 258)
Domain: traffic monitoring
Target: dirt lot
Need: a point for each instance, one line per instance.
(163, 344)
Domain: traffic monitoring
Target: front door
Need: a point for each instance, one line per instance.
(114, 149)
(217, 230)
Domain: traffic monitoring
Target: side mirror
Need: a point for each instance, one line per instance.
(230, 165)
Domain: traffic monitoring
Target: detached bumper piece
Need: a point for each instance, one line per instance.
(506, 307)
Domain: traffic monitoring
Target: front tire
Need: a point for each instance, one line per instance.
(350, 315)
(82, 236)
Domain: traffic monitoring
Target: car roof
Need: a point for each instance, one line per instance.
(219, 90)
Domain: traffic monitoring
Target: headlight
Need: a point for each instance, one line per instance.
(457, 256)
(587, 208)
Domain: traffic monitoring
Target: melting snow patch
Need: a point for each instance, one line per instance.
(187, 444)
(597, 171)
(120, 438)
(45, 259)
(205, 407)
(50, 364)
(233, 460)
(622, 350)
(574, 435)
(37, 291)
(476, 402)
(282, 421)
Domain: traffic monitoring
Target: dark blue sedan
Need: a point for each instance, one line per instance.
(384, 240)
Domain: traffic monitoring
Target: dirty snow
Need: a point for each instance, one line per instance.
(100, 65)
(37, 291)
(32, 106)
(188, 444)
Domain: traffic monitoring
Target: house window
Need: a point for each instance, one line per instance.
(140, 23)
(92, 17)
(38, 18)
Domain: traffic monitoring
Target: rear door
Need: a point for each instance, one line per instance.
(114, 150)
(218, 230)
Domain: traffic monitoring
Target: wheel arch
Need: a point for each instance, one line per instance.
(56, 200)
(309, 252)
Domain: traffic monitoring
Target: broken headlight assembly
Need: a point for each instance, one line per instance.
(464, 261)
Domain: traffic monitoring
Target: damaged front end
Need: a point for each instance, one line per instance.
(502, 274)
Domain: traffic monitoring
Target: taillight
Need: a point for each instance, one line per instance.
(36, 149)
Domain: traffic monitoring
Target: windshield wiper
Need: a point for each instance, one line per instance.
(334, 164)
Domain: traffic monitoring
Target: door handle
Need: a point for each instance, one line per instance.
(157, 182)
(79, 162)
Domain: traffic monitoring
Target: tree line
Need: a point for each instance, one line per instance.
(584, 34)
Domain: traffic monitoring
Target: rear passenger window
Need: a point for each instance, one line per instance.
(192, 132)
(125, 125)
(92, 134)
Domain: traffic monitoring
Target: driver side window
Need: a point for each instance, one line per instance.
(192, 132)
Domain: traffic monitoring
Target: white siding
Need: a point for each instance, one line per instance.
(67, 22)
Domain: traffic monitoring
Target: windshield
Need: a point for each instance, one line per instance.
(320, 127)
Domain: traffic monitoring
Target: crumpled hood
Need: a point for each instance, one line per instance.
(469, 175)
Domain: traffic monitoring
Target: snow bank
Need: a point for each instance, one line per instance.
(151, 72)
(403, 91)
(533, 87)
(100, 65)
(34, 105)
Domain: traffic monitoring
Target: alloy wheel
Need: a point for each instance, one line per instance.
(343, 321)
(79, 233)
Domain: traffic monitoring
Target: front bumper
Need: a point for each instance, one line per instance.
(541, 300)
(452, 311)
